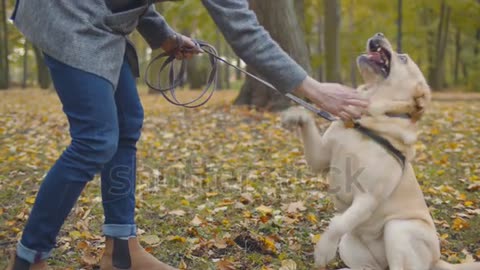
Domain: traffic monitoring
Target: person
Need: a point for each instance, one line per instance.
(93, 67)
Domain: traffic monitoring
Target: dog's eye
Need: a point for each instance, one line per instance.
(403, 58)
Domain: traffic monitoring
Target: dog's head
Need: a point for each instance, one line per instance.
(381, 64)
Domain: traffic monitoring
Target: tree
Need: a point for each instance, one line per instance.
(4, 64)
(43, 75)
(437, 70)
(399, 25)
(280, 19)
(332, 40)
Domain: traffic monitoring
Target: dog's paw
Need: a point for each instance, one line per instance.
(295, 117)
(325, 250)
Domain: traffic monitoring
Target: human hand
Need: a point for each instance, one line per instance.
(181, 46)
(337, 99)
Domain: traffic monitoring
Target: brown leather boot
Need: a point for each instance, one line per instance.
(128, 254)
(18, 264)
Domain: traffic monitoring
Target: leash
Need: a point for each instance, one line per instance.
(176, 79)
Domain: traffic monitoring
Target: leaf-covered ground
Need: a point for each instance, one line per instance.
(227, 188)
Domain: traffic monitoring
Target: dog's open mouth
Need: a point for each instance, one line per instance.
(380, 57)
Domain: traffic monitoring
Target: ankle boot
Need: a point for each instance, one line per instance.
(17, 263)
(129, 255)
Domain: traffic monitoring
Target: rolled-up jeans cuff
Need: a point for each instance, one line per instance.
(30, 255)
(120, 230)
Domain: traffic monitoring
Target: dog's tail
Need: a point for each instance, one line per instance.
(442, 265)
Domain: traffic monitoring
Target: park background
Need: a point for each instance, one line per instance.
(225, 187)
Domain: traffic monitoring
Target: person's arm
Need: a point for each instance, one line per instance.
(253, 44)
(158, 34)
(154, 29)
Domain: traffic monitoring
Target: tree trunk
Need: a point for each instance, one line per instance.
(4, 65)
(399, 26)
(25, 65)
(436, 76)
(225, 67)
(353, 58)
(238, 73)
(300, 12)
(321, 48)
(280, 19)
(43, 75)
(332, 40)
(220, 74)
(458, 50)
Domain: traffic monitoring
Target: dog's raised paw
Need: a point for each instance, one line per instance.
(295, 117)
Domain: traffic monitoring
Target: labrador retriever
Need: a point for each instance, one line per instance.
(383, 221)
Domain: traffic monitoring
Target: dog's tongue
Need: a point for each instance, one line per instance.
(375, 56)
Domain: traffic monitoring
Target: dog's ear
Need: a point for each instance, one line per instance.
(422, 98)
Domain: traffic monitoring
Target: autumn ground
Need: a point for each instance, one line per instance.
(227, 188)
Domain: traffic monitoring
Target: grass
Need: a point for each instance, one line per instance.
(215, 184)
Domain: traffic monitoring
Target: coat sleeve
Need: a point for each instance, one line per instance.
(253, 44)
(154, 29)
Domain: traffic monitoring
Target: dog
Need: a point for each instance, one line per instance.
(383, 220)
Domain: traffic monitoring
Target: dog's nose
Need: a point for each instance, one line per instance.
(380, 35)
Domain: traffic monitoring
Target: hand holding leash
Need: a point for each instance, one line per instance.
(181, 46)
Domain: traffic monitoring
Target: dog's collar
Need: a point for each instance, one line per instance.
(383, 142)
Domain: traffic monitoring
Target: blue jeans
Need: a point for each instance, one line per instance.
(105, 125)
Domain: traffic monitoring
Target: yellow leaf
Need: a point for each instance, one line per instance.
(30, 200)
(316, 238)
(468, 203)
(269, 244)
(264, 209)
(75, 234)
(177, 238)
(312, 218)
(459, 224)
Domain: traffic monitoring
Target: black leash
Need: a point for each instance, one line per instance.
(176, 80)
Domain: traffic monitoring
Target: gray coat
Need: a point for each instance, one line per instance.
(87, 35)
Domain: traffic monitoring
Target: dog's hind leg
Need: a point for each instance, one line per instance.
(411, 244)
(358, 256)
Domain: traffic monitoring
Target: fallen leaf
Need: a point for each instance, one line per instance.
(196, 221)
(225, 265)
(264, 209)
(288, 265)
(178, 213)
(150, 239)
(295, 207)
